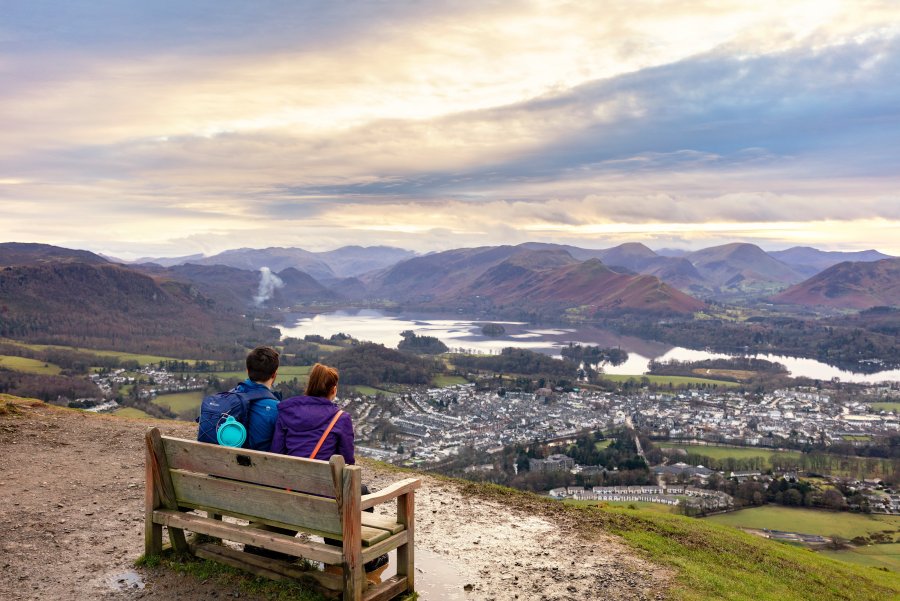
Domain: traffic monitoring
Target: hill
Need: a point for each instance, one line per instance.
(13, 254)
(742, 268)
(850, 285)
(63, 469)
(344, 262)
(507, 278)
(114, 307)
(808, 261)
(635, 258)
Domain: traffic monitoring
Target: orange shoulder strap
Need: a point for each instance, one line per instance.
(325, 433)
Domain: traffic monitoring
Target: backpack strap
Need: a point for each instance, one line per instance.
(325, 433)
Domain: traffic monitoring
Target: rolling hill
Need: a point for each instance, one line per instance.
(849, 285)
(58, 300)
(511, 278)
(328, 266)
(742, 268)
(809, 261)
(14, 254)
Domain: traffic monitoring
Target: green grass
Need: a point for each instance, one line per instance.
(887, 406)
(639, 505)
(366, 390)
(441, 380)
(719, 452)
(180, 401)
(602, 444)
(285, 372)
(141, 359)
(131, 412)
(216, 576)
(808, 521)
(709, 561)
(675, 381)
(29, 366)
(856, 438)
(875, 556)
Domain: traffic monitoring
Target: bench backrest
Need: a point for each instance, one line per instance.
(290, 492)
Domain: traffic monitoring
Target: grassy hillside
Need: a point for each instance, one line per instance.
(809, 521)
(713, 562)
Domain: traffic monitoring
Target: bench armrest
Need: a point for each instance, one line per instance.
(391, 492)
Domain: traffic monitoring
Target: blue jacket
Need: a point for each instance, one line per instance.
(262, 415)
(301, 422)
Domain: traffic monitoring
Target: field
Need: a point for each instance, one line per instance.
(441, 380)
(675, 381)
(808, 521)
(717, 452)
(130, 412)
(895, 407)
(737, 374)
(285, 372)
(641, 505)
(600, 445)
(180, 401)
(141, 359)
(873, 556)
(366, 390)
(30, 366)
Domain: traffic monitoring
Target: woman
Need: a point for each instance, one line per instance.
(299, 429)
(302, 420)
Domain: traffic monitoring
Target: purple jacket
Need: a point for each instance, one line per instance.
(300, 424)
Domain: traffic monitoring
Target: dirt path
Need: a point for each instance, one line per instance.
(61, 470)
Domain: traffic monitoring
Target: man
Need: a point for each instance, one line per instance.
(262, 368)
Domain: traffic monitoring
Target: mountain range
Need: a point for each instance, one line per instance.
(50, 293)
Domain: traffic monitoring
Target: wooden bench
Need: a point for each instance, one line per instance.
(320, 498)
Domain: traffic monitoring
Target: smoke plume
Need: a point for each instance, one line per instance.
(268, 282)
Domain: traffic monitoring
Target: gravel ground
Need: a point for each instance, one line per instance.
(71, 527)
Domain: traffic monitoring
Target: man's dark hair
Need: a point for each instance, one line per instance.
(262, 363)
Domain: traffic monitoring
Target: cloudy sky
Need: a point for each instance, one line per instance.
(165, 127)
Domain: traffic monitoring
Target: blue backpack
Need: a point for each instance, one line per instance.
(217, 408)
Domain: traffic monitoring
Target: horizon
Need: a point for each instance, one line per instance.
(136, 258)
(159, 129)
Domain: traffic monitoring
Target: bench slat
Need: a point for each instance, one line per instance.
(387, 590)
(390, 492)
(388, 544)
(283, 508)
(382, 522)
(249, 536)
(274, 569)
(268, 469)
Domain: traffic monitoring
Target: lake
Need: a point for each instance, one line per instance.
(464, 335)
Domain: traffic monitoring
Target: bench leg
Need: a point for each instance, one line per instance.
(406, 515)
(152, 531)
(354, 576)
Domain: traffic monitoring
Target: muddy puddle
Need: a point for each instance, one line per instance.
(437, 577)
(128, 580)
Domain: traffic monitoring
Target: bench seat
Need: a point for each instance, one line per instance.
(311, 496)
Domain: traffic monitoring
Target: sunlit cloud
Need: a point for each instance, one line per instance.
(174, 127)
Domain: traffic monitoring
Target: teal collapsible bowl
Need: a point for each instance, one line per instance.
(231, 433)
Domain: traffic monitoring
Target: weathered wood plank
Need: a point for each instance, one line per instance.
(354, 576)
(152, 531)
(388, 589)
(406, 554)
(384, 546)
(278, 507)
(274, 569)
(268, 469)
(250, 536)
(163, 483)
(382, 522)
(390, 492)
